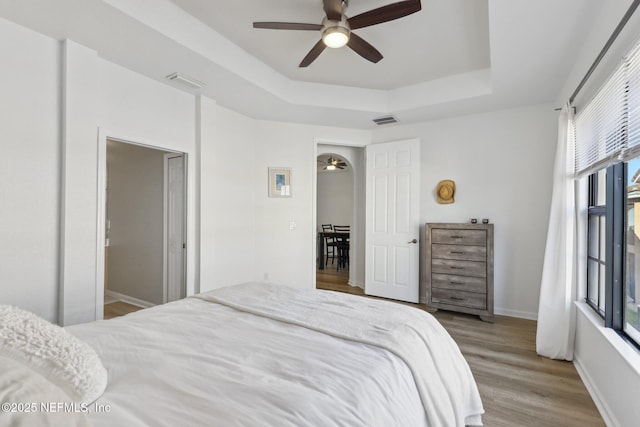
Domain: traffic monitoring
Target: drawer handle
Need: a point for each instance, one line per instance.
(456, 252)
(457, 298)
(455, 283)
(456, 268)
(457, 237)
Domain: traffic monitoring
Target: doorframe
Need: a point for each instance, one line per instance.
(314, 196)
(101, 199)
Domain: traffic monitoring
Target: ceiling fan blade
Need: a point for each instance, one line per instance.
(385, 14)
(313, 54)
(339, 167)
(333, 9)
(287, 26)
(363, 48)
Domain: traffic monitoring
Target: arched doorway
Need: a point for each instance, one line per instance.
(340, 201)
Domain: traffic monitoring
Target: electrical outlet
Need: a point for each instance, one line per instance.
(292, 225)
(266, 276)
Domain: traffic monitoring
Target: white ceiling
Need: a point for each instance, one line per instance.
(446, 37)
(453, 57)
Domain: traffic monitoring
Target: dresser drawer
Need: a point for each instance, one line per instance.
(460, 237)
(460, 283)
(459, 268)
(461, 252)
(463, 299)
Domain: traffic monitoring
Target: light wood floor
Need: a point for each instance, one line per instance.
(119, 308)
(518, 387)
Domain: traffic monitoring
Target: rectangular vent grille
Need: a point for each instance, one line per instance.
(187, 81)
(385, 120)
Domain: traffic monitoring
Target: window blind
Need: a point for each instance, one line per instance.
(633, 71)
(607, 130)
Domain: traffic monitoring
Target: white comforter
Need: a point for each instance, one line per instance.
(245, 360)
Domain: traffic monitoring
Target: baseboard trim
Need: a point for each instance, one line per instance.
(355, 284)
(601, 404)
(129, 300)
(515, 313)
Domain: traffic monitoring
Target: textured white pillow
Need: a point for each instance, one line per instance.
(52, 352)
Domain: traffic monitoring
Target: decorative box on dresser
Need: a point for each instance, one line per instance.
(458, 268)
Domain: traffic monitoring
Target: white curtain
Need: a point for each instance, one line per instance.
(558, 290)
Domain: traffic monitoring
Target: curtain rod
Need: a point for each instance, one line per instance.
(604, 50)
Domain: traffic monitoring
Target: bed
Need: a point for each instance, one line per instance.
(265, 355)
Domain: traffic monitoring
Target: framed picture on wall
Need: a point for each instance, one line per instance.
(279, 182)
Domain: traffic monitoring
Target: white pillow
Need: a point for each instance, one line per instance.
(28, 399)
(54, 353)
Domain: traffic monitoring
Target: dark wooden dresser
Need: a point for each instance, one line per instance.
(458, 268)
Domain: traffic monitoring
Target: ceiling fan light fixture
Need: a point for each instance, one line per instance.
(331, 167)
(336, 27)
(335, 37)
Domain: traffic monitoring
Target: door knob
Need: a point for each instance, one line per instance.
(413, 241)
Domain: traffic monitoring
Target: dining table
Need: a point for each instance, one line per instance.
(321, 243)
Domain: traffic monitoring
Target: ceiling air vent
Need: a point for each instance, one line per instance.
(187, 81)
(385, 120)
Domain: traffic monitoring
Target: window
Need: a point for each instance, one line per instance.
(613, 248)
(607, 141)
(631, 295)
(596, 233)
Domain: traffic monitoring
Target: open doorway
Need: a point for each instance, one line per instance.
(340, 202)
(145, 227)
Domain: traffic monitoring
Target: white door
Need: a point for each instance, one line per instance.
(393, 220)
(174, 231)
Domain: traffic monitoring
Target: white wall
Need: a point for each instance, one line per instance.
(335, 198)
(30, 175)
(245, 234)
(54, 260)
(609, 367)
(102, 101)
(55, 98)
(137, 109)
(501, 163)
(288, 256)
(79, 208)
(228, 196)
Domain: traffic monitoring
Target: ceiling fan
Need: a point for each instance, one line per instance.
(336, 27)
(332, 164)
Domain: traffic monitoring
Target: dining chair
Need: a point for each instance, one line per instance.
(330, 245)
(342, 245)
